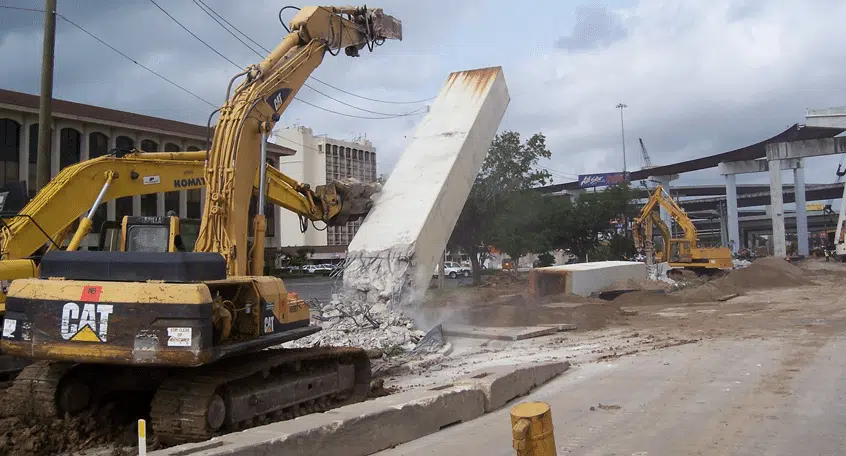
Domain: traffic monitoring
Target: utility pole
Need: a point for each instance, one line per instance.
(623, 130)
(45, 118)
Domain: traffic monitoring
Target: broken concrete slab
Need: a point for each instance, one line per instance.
(390, 260)
(354, 430)
(504, 383)
(583, 279)
(498, 333)
(560, 327)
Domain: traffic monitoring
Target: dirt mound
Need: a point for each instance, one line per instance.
(504, 280)
(762, 274)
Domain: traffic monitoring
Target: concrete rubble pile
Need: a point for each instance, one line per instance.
(658, 272)
(390, 261)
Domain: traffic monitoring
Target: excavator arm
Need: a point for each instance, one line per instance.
(251, 111)
(648, 214)
(75, 189)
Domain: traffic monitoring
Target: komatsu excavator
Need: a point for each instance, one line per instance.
(678, 252)
(194, 329)
(48, 217)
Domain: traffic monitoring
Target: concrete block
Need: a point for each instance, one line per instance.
(399, 242)
(354, 430)
(498, 333)
(583, 279)
(504, 383)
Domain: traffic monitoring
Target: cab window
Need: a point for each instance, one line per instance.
(147, 238)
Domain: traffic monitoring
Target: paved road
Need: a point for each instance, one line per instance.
(727, 397)
(322, 287)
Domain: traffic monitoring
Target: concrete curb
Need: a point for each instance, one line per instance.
(368, 427)
(358, 429)
(503, 383)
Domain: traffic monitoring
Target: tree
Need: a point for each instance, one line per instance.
(520, 226)
(546, 259)
(581, 225)
(508, 167)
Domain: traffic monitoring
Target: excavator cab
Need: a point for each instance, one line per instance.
(149, 234)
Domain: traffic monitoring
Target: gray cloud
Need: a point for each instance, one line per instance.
(699, 77)
(596, 27)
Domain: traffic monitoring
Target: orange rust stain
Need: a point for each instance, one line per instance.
(477, 80)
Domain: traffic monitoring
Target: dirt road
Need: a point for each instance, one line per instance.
(762, 374)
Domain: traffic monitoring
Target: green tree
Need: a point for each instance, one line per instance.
(581, 225)
(510, 166)
(546, 259)
(520, 226)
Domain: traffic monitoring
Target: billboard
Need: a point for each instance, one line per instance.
(602, 179)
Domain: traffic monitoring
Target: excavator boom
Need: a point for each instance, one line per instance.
(257, 104)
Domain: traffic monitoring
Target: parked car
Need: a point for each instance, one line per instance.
(453, 270)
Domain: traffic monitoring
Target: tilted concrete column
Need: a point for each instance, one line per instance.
(777, 207)
(801, 212)
(731, 208)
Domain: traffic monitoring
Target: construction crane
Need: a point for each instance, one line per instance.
(647, 163)
(678, 252)
(193, 329)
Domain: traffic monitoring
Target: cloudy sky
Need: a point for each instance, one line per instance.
(699, 77)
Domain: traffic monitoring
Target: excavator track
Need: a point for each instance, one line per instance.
(34, 391)
(273, 385)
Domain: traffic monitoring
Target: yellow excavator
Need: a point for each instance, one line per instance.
(44, 222)
(194, 330)
(678, 252)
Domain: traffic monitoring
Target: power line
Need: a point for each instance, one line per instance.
(236, 28)
(359, 108)
(115, 50)
(387, 116)
(413, 113)
(200, 5)
(194, 35)
(373, 99)
(198, 2)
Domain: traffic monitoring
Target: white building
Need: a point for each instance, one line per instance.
(318, 160)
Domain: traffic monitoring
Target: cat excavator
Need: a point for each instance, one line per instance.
(199, 331)
(678, 252)
(44, 222)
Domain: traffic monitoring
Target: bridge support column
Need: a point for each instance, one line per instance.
(801, 211)
(731, 207)
(777, 207)
(664, 181)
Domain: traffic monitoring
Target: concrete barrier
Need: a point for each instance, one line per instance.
(503, 383)
(357, 429)
(368, 427)
(583, 279)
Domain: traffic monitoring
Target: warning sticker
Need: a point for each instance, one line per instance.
(178, 337)
(151, 180)
(9, 327)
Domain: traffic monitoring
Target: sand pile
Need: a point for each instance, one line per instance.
(762, 274)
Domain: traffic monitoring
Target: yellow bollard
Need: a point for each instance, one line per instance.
(531, 428)
(142, 438)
